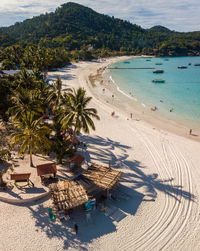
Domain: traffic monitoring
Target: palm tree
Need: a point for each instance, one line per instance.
(31, 135)
(25, 101)
(76, 113)
(25, 79)
(55, 93)
(60, 146)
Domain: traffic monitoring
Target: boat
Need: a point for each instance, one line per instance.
(148, 59)
(182, 67)
(196, 64)
(166, 59)
(189, 63)
(126, 62)
(158, 63)
(158, 80)
(158, 71)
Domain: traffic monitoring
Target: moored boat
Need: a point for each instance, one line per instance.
(158, 80)
(196, 64)
(158, 63)
(158, 71)
(126, 62)
(182, 67)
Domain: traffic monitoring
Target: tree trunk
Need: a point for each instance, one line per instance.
(74, 132)
(1, 180)
(31, 158)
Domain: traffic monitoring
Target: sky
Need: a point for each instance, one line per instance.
(179, 15)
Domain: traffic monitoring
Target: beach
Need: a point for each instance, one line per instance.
(160, 164)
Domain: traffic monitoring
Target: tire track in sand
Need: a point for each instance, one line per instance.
(161, 230)
(186, 199)
(150, 232)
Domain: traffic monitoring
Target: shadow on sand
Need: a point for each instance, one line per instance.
(126, 202)
(100, 223)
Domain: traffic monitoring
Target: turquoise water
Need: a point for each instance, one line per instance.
(180, 92)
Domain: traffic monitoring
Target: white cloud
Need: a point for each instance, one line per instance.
(181, 15)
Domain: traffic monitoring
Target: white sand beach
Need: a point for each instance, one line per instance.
(161, 180)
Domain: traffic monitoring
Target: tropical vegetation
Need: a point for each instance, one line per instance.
(75, 32)
(42, 113)
(71, 33)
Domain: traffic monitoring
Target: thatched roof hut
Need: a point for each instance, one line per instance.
(103, 177)
(67, 195)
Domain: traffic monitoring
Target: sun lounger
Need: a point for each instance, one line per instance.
(21, 177)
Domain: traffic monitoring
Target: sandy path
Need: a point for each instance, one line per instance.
(161, 175)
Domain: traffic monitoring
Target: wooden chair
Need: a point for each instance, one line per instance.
(74, 163)
(45, 170)
(22, 177)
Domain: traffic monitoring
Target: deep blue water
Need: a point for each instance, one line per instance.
(180, 92)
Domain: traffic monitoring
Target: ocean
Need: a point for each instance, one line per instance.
(178, 98)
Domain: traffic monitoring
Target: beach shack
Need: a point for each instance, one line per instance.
(89, 188)
(67, 195)
(99, 180)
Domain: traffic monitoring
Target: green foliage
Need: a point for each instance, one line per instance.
(31, 135)
(6, 40)
(4, 145)
(5, 155)
(48, 39)
(76, 112)
(74, 26)
(7, 64)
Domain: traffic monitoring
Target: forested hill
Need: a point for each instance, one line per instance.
(73, 26)
(6, 40)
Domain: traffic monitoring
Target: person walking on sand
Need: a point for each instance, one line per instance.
(76, 228)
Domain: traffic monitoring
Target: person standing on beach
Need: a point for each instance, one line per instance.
(76, 228)
(190, 132)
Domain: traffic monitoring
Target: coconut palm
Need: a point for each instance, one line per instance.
(25, 79)
(31, 135)
(60, 146)
(76, 113)
(25, 101)
(55, 92)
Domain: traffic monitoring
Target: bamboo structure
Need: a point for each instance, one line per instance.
(67, 195)
(70, 194)
(103, 177)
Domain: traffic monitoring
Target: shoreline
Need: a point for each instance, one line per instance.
(160, 180)
(139, 111)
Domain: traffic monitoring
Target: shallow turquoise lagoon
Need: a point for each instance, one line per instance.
(180, 93)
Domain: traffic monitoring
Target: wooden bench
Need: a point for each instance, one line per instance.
(46, 169)
(21, 177)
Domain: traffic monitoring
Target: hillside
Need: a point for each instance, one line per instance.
(73, 26)
(160, 29)
(6, 40)
(72, 23)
